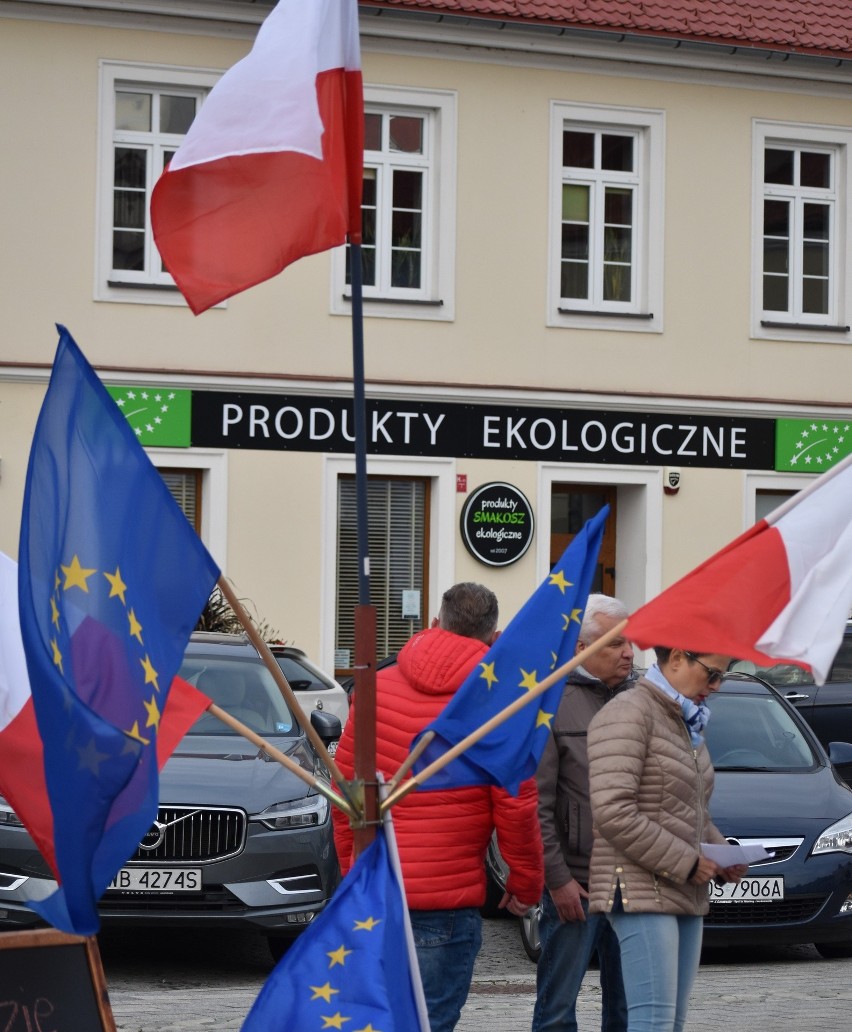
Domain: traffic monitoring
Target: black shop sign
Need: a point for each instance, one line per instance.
(497, 524)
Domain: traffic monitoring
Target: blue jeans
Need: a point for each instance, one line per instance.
(660, 954)
(447, 943)
(566, 949)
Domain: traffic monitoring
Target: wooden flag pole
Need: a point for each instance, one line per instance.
(499, 718)
(242, 729)
(286, 690)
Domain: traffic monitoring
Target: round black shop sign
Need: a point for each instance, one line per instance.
(497, 524)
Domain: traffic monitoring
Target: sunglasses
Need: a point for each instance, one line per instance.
(714, 676)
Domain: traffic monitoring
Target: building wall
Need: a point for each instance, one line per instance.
(275, 537)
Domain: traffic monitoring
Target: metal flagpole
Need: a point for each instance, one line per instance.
(365, 613)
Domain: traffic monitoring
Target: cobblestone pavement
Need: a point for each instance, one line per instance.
(170, 982)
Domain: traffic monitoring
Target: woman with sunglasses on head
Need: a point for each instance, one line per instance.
(651, 778)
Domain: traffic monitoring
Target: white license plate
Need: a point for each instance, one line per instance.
(156, 879)
(748, 890)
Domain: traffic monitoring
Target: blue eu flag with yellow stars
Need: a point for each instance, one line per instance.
(353, 968)
(111, 580)
(540, 638)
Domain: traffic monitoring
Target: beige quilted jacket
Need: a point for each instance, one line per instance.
(649, 792)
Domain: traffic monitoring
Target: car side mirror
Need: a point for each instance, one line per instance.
(840, 753)
(329, 728)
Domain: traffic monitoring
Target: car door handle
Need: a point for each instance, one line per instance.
(795, 697)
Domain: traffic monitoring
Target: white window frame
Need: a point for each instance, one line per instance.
(442, 523)
(834, 327)
(435, 300)
(152, 287)
(214, 492)
(644, 313)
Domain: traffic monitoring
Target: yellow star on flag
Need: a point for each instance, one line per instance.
(150, 672)
(54, 611)
(366, 1028)
(335, 1021)
(323, 992)
(573, 616)
(57, 655)
(76, 576)
(135, 630)
(338, 956)
(134, 732)
(153, 713)
(366, 926)
(117, 585)
(543, 719)
(528, 681)
(558, 579)
(488, 674)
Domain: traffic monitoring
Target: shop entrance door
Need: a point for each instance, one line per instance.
(570, 506)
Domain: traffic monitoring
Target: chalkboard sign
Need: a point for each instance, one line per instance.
(52, 982)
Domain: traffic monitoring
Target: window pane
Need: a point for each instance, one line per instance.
(578, 149)
(368, 226)
(575, 280)
(130, 167)
(776, 218)
(618, 206)
(133, 111)
(816, 221)
(775, 293)
(815, 258)
(368, 265)
(176, 114)
(372, 132)
(575, 203)
(616, 283)
(406, 134)
(778, 166)
(617, 244)
(575, 241)
(815, 170)
(776, 256)
(128, 251)
(408, 190)
(128, 209)
(368, 187)
(406, 229)
(815, 296)
(405, 269)
(617, 153)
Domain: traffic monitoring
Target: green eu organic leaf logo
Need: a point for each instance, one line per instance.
(811, 445)
(159, 416)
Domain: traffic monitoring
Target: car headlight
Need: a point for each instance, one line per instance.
(8, 817)
(297, 813)
(836, 839)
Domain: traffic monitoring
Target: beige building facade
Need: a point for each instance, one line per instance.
(600, 265)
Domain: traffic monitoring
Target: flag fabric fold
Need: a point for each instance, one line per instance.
(111, 581)
(351, 967)
(22, 779)
(271, 168)
(540, 638)
(781, 592)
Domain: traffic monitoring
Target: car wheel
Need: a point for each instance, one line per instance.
(834, 950)
(278, 946)
(530, 933)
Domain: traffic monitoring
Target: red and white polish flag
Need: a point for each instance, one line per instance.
(271, 168)
(782, 591)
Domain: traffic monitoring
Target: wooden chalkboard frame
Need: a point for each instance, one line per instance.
(50, 939)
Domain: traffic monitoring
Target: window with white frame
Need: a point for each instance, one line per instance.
(408, 207)
(145, 113)
(801, 230)
(606, 228)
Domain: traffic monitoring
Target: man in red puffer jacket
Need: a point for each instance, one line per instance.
(443, 835)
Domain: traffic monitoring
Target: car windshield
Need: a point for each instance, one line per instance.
(245, 690)
(750, 732)
(302, 675)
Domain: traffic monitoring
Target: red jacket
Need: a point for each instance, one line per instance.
(442, 835)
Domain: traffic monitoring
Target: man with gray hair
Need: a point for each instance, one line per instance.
(570, 936)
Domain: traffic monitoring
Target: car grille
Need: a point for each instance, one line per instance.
(196, 834)
(787, 911)
(781, 853)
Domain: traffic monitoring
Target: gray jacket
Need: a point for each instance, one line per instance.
(564, 810)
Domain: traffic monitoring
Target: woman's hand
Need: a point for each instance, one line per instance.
(705, 871)
(733, 874)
